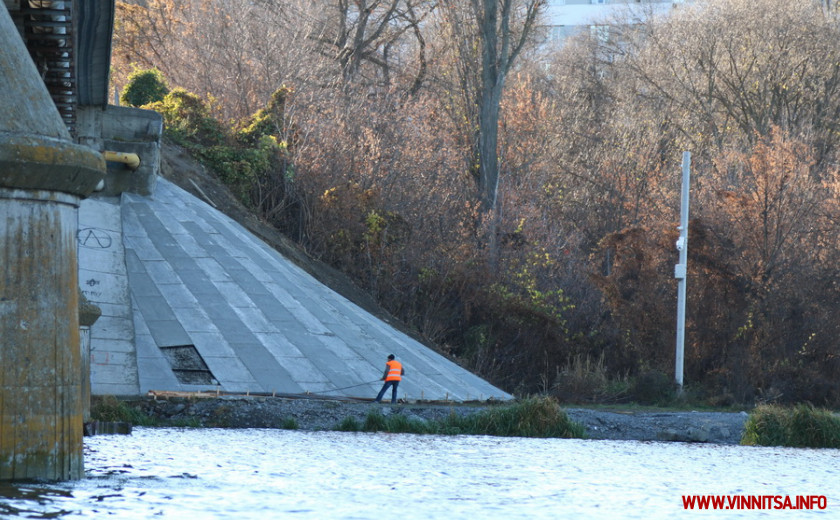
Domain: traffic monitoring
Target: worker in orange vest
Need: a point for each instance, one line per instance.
(392, 377)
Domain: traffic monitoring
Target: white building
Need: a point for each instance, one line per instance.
(564, 18)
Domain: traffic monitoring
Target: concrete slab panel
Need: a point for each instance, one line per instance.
(271, 306)
(142, 286)
(168, 333)
(110, 260)
(212, 344)
(169, 220)
(140, 327)
(264, 367)
(198, 284)
(234, 295)
(337, 347)
(131, 226)
(305, 373)
(230, 370)
(171, 384)
(117, 389)
(200, 230)
(253, 287)
(118, 370)
(233, 249)
(146, 346)
(226, 260)
(254, 319)
(152, 224)
(280, 385)
(115, 309)
(143, 247)
(119, 346)
(301, 339)
(191, 246)
(100, 213)
(219, 310)
(154, 308)
(156, 368)
(161, 272)
(212, 269)
(236, 333)
(179, 259)
(256, 270)
(195, 320)
(177, 295)
(278, 344)
(109, 328)
(102, 287)
(308, 321)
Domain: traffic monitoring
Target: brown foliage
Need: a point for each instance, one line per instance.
(576, 261)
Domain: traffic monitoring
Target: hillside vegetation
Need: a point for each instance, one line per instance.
(360, 130)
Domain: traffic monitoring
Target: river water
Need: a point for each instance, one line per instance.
(266, 474)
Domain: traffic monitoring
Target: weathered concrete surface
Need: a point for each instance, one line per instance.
(128, 130)
(103, 280)
(40, 361)
(42, 176)
(36, 151)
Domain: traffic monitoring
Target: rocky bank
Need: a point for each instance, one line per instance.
(325, 414)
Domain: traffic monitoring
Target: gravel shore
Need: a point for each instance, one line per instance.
(325, 414)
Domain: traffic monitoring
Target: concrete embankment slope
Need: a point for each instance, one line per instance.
(200, 303)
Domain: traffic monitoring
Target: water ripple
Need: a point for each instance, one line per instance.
(244, 474)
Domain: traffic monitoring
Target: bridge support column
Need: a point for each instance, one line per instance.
(43, 176)
(40, 359)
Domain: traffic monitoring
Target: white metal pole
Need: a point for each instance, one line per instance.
(680, 268)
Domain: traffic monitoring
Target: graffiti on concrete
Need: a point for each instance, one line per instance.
(94, 238)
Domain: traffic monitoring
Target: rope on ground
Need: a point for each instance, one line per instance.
(346, 387)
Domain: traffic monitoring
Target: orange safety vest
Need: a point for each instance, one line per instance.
(394, 371)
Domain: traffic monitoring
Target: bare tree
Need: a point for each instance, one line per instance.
(356, 32)
(500, 29)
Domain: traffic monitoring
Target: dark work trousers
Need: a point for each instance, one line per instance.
(393, 385)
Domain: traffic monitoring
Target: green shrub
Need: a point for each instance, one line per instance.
(241, 168)
(535, 417)
(111, 409)
(187, 120)
(289, 423)
(652, 387)
(144, 87)
(348, 424)
(268, 121)
(374, 422)
(802, 427)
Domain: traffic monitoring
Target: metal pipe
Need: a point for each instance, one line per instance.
(131, 160)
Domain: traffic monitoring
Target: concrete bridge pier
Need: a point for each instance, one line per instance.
(43, 177)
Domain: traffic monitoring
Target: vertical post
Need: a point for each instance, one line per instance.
(680, 269)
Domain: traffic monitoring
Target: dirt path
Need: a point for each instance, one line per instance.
(317, 414)
(713, 427)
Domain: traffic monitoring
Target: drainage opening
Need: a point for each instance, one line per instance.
(188, 366)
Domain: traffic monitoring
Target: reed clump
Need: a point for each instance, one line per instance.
(111, 409)
(802, 426)
(533, 417)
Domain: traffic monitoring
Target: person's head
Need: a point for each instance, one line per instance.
(391, 357)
